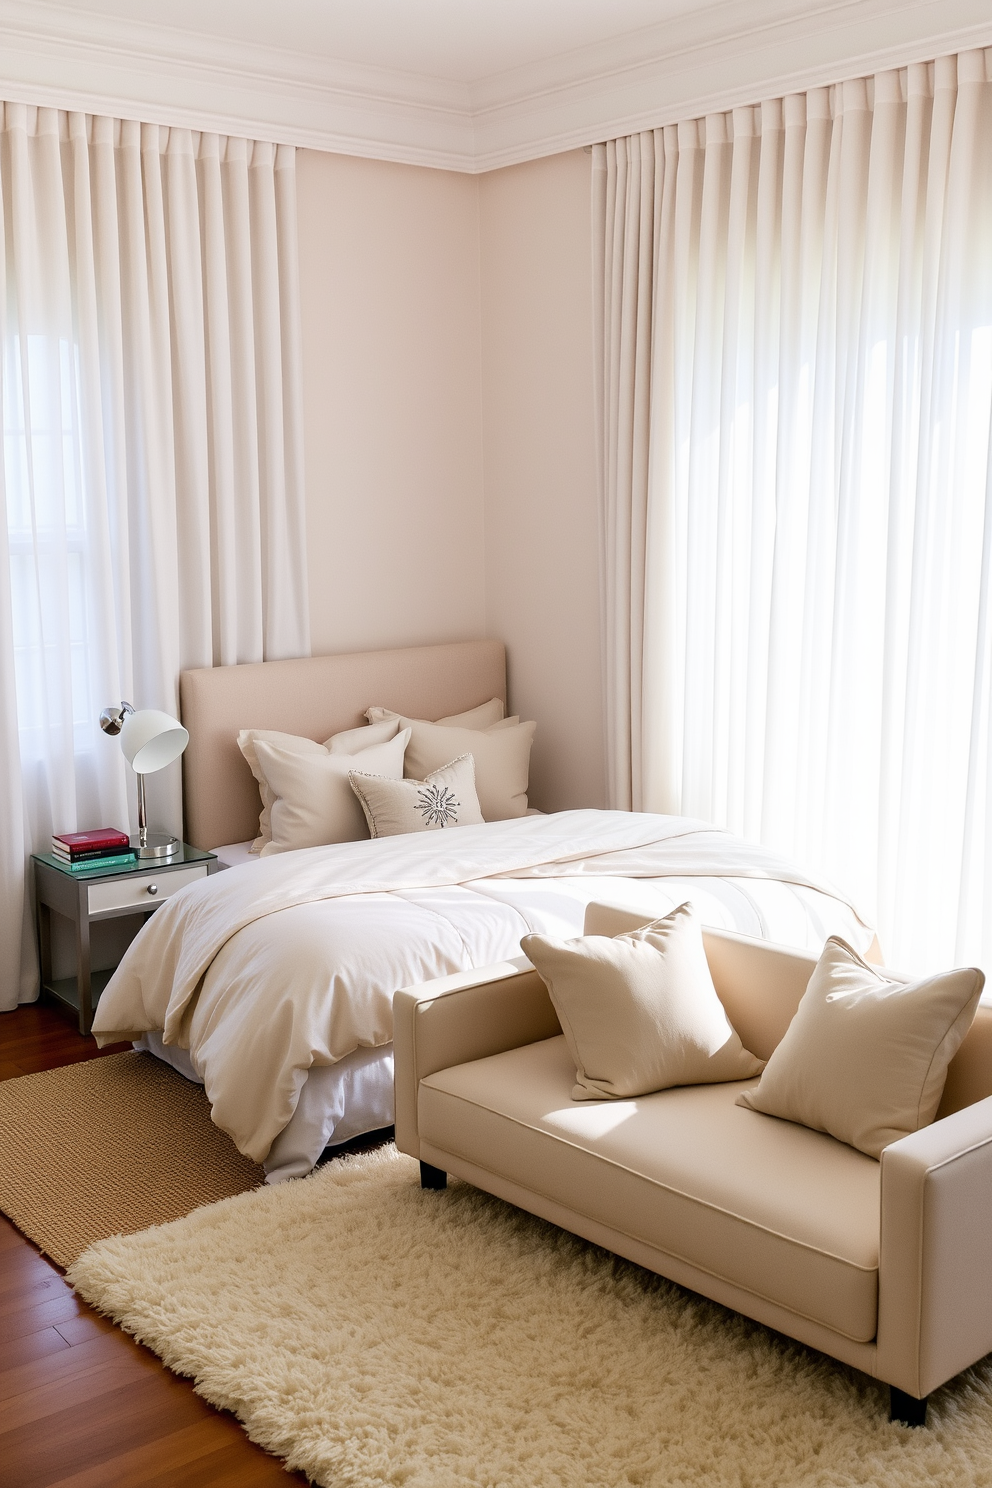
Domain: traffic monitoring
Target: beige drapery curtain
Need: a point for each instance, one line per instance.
(151, 475)
(795, 325)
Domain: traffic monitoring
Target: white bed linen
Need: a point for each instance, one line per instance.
(337, 1102)
(233, 854)
(268, 969)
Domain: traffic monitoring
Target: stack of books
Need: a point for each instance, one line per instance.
(103, 848)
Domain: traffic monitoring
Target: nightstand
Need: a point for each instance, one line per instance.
(89, 894)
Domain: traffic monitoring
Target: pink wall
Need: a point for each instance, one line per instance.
(542, 525)
(448, 424)
(389, 279)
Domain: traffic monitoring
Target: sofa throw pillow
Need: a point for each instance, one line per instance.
(445, 798)
(639, 1011)
(501, 753)
(313, 803)
(865, 1056)
(483, 716)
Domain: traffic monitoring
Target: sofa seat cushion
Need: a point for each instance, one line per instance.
(788, 1214)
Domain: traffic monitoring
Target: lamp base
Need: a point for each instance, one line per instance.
(156, 845)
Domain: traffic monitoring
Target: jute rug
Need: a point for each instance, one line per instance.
(107, 1147)
(372, 1334)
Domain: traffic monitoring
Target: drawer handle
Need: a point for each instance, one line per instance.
(153, 889)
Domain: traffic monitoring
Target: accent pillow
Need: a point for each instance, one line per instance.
(501, 753)
(446, 798)
(313, 803)
(346, 742)
(865, 1057)
(484, 716)
(639, 1011)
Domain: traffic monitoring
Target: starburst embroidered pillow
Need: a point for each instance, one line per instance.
(445, 798)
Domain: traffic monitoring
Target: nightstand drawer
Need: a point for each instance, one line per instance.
(140, 890)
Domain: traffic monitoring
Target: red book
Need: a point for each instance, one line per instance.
(101, 840)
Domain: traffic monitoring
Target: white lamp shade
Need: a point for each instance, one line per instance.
(151, 740)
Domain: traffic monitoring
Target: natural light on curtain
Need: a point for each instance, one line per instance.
(151, 471)
(796, 374)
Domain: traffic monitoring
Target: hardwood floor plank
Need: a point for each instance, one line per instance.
(29, 1288)
(22, 1265)
(86, 1326)
(191, 1457)
(45, 1400)
(36, 1282)
(32, 1319)
(37, 1455)
(139, 1466)
(227, 1469)
(32, 1346)
(92, 1354)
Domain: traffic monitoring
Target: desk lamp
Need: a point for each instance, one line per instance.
(150, 741)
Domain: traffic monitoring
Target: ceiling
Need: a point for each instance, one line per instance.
(459, 84)
(461, 41)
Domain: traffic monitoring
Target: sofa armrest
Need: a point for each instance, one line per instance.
(935, 1253)
(459, 1018)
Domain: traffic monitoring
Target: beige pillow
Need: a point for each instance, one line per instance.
(484, 716)
(865, 1057)
(447, 798)
(639, 1011)
(344, 743)
(349, 741)
(501, 753)
(313, 803)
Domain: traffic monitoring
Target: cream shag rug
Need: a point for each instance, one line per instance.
(370, 1333)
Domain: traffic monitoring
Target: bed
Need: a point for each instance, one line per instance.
(272, 983)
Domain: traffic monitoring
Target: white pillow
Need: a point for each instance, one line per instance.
(313, 802)
(484, 716)
(343, 743)
(349, 741)
(865, 1057)
(447, 798)
(501, 753)
(639, 1011)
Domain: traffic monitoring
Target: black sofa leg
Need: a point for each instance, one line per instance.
(433, 1177)
(905, 1408)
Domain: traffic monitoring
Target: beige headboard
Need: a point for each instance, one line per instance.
(315, 696)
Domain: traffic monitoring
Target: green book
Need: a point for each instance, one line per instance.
(119, 860)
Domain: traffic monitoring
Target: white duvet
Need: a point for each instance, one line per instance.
(266, 970)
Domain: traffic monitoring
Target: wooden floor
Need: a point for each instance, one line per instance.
(81, 1404)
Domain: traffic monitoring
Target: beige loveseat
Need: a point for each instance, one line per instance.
(885, 1265)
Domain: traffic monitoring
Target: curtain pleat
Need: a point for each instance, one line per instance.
(152, 472)
(798, 590)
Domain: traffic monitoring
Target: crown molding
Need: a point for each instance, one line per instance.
(61, 56)
(686, 69)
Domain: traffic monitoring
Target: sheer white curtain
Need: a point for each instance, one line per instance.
(796, 323)
(151, 474)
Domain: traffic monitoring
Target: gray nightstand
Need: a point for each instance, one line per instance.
(90, 894)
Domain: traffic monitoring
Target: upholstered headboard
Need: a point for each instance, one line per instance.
(314, 696)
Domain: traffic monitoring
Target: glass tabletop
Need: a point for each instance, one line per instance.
(184, 854)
